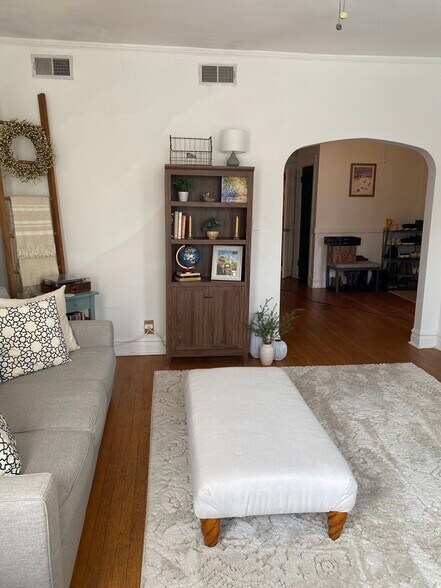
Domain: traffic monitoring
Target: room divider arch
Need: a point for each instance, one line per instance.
(427, 312)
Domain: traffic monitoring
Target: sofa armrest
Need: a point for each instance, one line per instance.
(93, 333)
(30, 532)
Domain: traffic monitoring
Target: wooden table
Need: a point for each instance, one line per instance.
(82, 302)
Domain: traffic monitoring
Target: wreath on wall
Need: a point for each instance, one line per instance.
(44, 154)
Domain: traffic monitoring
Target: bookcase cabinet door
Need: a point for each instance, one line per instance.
(226, 321)
(189, 314)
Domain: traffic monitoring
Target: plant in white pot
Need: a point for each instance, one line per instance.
(183, 186)
(269, 326)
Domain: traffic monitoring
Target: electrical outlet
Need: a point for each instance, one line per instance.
(149, 327)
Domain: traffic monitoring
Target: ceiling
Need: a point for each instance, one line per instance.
(373, 27)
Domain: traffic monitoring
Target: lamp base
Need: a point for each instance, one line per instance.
(232, 161)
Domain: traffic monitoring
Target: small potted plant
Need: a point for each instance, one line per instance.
(183, 186)
(268, 325)
(211, 226)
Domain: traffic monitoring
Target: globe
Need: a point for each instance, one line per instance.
(187, 257)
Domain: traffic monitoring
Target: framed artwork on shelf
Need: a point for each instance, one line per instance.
(226, 263)
(234, 189)
(363, 177)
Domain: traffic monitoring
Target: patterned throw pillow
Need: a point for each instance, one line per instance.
(31, 339)
(60, 299)
(10, 464)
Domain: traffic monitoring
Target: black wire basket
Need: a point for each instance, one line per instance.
(190, 151)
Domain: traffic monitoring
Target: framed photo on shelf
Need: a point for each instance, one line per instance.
(234, 189)
(226, 263)
(363, 177)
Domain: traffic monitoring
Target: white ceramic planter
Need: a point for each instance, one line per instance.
(212, 234)
(255, 343)
(266, 354)
(280, 349)
(183, 196)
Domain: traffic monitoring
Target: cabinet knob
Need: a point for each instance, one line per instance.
(205, 295)
(211, 296)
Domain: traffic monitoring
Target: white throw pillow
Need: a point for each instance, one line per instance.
(10, 464)
(31, 339)
(61, 305)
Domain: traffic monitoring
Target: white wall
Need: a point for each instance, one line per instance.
(110, 128)
(400, 192)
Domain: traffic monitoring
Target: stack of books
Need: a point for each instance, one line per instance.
(187, 277)
(179, 225)
(77, 316)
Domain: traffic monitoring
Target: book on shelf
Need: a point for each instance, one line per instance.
(175, 225)
(188, 274)
(184, 222)
(183, 279)
(179, 224)
(77, 316)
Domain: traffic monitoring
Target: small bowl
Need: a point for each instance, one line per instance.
(207, 197)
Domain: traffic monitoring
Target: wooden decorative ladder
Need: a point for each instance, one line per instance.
(5, 216)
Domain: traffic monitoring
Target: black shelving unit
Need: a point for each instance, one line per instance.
(401, 260)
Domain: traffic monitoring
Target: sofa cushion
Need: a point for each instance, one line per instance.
(73, 404)
(88, 363)
(67, 455)
(10, 463)
(31, 338)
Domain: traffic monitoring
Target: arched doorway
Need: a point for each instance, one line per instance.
(317, 200)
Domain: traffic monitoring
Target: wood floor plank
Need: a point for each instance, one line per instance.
(133, 572)
(78, 577)
(124, 464)
(334, 329)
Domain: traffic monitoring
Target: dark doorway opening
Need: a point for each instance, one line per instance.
(305, 221)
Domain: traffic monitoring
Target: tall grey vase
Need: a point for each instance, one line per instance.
(255, 343)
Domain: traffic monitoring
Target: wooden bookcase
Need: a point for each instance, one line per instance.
(207, 317)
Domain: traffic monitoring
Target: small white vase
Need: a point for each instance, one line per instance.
(266, 354)
(183, 196)
(280, 349)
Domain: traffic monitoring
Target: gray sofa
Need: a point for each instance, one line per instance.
(58, 417)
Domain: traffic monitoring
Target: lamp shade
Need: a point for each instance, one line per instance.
(234, 140)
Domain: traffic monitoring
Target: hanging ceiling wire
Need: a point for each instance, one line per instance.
(342, 14)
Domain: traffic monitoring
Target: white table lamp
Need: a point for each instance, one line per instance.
(233, 141)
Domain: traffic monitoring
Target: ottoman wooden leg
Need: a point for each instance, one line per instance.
(210, 530)
(336, 522)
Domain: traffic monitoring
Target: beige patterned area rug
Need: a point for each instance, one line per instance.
(385, 419)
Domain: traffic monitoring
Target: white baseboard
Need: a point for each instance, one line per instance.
(150, 345)
(421, 341)
(318, 284)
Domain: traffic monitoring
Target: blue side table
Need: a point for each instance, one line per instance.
(82, 302)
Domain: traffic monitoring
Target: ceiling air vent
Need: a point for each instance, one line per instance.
(217, 74)
(50, 66)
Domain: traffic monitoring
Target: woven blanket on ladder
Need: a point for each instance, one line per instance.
(34, 239)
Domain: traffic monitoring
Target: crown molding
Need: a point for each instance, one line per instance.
(207, 52)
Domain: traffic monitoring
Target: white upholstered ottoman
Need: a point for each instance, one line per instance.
(257, 449)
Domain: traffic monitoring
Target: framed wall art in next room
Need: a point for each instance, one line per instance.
(363, 178)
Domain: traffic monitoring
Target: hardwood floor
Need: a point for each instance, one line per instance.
(344, 328)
